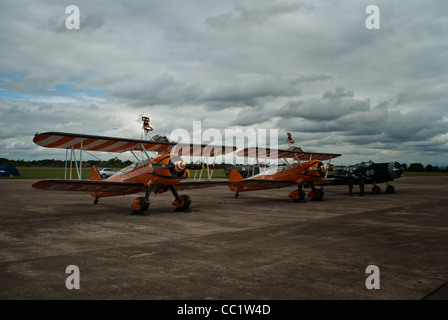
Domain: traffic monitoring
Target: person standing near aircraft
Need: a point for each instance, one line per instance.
(350, 182)
(361, 183)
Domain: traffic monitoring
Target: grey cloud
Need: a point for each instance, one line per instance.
(339, 93)
(246, 89)
(163, 90)
(323, 109)
(312, 78)
(250, 116)
(250, 86)
(246, 13)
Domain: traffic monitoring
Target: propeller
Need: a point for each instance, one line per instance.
(321, 168)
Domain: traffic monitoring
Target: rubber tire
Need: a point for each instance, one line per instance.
(390, 189)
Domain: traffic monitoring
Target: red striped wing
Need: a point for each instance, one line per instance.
(110, 144)
(278, 153)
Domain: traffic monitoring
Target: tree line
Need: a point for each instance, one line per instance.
(117, 163)
(52, 163)
(418, 167)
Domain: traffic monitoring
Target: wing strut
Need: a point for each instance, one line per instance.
(73, 159)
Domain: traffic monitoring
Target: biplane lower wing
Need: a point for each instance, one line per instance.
(90, 186)
(115, 187)
(260, 184)
(200, 184)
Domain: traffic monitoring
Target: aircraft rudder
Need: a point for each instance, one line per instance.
(94, 174)
(235, 176)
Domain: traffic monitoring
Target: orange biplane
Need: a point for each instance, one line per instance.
(152, 175)
(306, 170)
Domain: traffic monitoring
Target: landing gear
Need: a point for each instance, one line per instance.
(298, 195)
(182, 203)
(95, 201)
(316, 194)
(376, 190)
(390, 189)
(237, 194)
(141, 204)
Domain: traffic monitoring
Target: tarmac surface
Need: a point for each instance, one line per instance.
(257, 246)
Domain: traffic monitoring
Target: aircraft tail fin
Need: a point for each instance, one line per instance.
(235, 176)
(94, 175)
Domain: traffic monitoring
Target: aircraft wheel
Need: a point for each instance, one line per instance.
(237, 194)
(390, 189)
(183, 204)
(140, 206)
(376, 190)
(317, 195)
(320, 195)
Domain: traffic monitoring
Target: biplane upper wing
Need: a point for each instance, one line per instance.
(283, 153)
(90, 186)
(111, 144)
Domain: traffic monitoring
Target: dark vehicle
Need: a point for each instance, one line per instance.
(373, 173)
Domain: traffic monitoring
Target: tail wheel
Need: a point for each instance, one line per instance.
(140, 205)
(390, 189)
(183, 204)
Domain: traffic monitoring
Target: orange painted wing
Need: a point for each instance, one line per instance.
(90, 186)
(110, 144)
(260, 184)
(200, 184)
(280, 153)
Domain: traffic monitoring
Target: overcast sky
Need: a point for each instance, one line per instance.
(311, 68)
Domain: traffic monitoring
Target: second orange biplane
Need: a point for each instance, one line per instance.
(306, 170)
